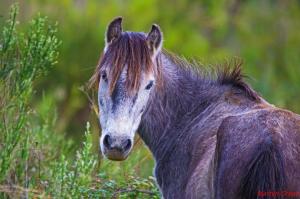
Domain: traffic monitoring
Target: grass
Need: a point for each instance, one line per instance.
(35, 161)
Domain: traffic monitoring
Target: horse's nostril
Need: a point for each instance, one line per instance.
(128, 144)
(116, 144)
(107, 141)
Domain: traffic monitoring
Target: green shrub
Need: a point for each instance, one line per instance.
(69, 179)
(23, 57)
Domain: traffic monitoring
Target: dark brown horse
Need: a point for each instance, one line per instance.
(210, 137)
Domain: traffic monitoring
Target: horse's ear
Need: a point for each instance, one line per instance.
(154, 39)
(114, 30)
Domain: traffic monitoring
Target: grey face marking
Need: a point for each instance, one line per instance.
(118, 95)
(120, 113)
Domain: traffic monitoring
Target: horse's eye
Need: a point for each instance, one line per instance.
(149, 85)
(104, 76)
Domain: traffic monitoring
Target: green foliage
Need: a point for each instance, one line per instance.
(69, 179)
(22, 58)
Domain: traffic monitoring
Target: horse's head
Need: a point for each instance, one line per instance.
(128, 72)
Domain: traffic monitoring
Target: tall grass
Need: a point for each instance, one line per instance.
(35, 161)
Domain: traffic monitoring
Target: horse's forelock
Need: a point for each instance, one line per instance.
(129, 50)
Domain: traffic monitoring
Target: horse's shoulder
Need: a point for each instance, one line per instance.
(231, 121)
(259, 125)
(255, 123)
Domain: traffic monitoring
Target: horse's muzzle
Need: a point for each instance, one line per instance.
(116, 147)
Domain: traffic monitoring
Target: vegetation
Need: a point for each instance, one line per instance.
(43, 111)
(35, 161)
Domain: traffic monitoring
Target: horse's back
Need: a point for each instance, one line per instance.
(268, 138)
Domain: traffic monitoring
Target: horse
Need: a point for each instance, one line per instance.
(211, 134)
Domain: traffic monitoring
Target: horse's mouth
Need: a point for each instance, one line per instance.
(115, 155)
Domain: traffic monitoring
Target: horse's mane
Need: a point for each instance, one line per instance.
(131, 50)
(228, 73)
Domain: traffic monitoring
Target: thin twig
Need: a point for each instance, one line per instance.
(18, 190)
(90, 99)
(132, 190)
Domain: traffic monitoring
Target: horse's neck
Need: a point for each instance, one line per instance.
(182, 92)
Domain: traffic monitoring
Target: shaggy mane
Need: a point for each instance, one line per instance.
(230, 73)
(233, 75)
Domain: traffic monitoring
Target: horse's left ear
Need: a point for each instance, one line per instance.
(114, 30)
(154, 39)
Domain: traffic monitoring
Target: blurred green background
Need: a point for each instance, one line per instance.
(265, 34)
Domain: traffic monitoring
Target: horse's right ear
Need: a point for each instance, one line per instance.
(114, 30)
(154, 39)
